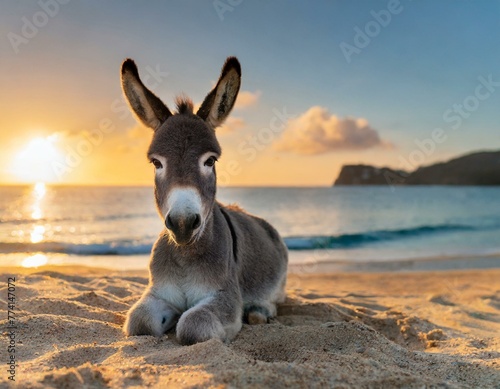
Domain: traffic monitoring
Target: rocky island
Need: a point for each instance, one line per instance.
(479, 168)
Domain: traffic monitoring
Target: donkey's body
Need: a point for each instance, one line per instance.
(214, 265)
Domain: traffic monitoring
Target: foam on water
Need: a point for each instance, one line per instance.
(127, 247)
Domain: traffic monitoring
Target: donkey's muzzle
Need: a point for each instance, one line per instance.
(183, 226)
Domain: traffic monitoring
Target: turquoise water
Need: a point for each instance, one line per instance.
(339, 224)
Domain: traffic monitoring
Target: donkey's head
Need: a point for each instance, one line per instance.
(184, 148)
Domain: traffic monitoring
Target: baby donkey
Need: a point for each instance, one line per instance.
(214, 265)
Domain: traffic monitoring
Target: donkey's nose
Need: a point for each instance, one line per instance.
(182, 226)
(192, 222)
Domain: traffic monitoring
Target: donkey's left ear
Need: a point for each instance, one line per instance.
(219, 102)
(147, 106)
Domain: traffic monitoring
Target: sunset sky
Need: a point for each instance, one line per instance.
(340, 82)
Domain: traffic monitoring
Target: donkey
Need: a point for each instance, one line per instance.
(213, 266)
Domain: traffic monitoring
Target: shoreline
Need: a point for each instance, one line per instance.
(402, 265)
(298, 264)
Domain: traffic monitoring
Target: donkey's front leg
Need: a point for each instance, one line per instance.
(150, 316)
(216, 317)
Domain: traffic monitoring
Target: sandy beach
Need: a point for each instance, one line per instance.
(363, 330)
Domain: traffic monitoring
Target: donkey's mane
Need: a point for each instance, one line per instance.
(184, 104)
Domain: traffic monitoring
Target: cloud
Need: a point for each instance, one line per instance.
(317, 132)
(246, 99)
(232, 123)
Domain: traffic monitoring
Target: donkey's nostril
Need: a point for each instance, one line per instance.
(191, 222)
(169, 223)
(196, 221)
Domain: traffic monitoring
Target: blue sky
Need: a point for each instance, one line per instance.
(427, 58)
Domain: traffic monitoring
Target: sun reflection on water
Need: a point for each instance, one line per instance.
(37, 213)
(39, 191)
(35, 260)
(37, 234)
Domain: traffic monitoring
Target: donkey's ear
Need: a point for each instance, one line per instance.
(219, 102)
(148, 108)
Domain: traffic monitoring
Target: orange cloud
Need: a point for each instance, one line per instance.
(247, 99)
(317, 132)
(232, 123)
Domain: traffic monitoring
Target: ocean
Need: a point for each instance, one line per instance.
(115, 227)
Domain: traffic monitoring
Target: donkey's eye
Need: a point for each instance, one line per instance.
(210, 161)
(157, 164)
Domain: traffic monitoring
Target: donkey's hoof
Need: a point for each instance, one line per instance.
(257, 318)
(198, 326)
(256, 314)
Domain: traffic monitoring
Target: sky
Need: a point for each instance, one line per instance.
(324, 83)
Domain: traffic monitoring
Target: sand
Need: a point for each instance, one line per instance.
(362, 330)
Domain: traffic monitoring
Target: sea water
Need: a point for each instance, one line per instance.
(115, 226)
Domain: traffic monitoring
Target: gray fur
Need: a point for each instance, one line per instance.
(228, 266)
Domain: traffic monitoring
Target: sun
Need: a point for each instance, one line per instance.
(36, 161)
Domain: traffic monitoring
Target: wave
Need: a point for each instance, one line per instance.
(131, 247)
(107, 248)
(359, 239)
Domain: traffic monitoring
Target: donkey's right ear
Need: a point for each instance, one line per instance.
(220, 101)
(146, 105)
